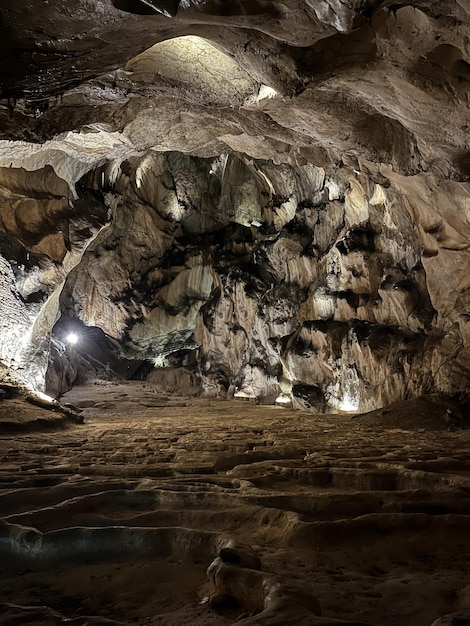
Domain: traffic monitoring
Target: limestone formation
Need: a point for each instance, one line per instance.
(244, 200)
(146, 511)
(281, 189)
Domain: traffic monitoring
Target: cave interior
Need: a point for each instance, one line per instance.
(235, 312)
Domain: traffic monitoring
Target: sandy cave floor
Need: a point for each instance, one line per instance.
(371, 514)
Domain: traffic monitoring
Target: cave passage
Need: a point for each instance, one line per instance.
(234, 312)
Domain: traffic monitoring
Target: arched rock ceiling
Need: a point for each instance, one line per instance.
(372, 81)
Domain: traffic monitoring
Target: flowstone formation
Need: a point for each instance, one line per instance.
(145, 513)
(275, 196)
(288, 282)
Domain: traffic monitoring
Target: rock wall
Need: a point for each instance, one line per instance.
(43, 233)
(320, 288)
(326, 289)
(282, 189)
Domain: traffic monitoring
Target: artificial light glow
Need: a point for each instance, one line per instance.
(284, 400)
(193, 60)
(160, 361)
(266, 92)
(72, 338)
(44, 396)
(256, 101)
(345, 395)
(348, 404)
(243, 395)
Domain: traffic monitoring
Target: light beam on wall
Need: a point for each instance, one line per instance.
(44, 396)
(348, 404)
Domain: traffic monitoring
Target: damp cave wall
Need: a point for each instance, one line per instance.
(285, 282)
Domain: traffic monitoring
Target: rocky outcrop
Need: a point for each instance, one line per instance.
(301, 284)
(43, 235)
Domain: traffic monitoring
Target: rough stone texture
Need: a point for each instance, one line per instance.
(285, 187)
(291, 281)
(42, 237)
(364, 520)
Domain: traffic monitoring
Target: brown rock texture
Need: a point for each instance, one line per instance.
(177, 510)
(281, 189)
(235, 203)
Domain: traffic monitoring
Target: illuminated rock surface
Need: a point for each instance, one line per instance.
(242, 199)
(281, 188)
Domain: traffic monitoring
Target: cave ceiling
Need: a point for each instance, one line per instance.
(282, 186)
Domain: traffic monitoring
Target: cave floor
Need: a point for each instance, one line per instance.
(371, 515)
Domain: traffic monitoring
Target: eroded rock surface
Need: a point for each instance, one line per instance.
(364, 520)
(313, 286)
(282, 189)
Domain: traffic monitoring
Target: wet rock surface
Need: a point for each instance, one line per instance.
(119, 518)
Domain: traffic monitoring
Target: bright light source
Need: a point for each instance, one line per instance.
(284, 400)
(348, 404)
(44, 396)
(72, 338)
